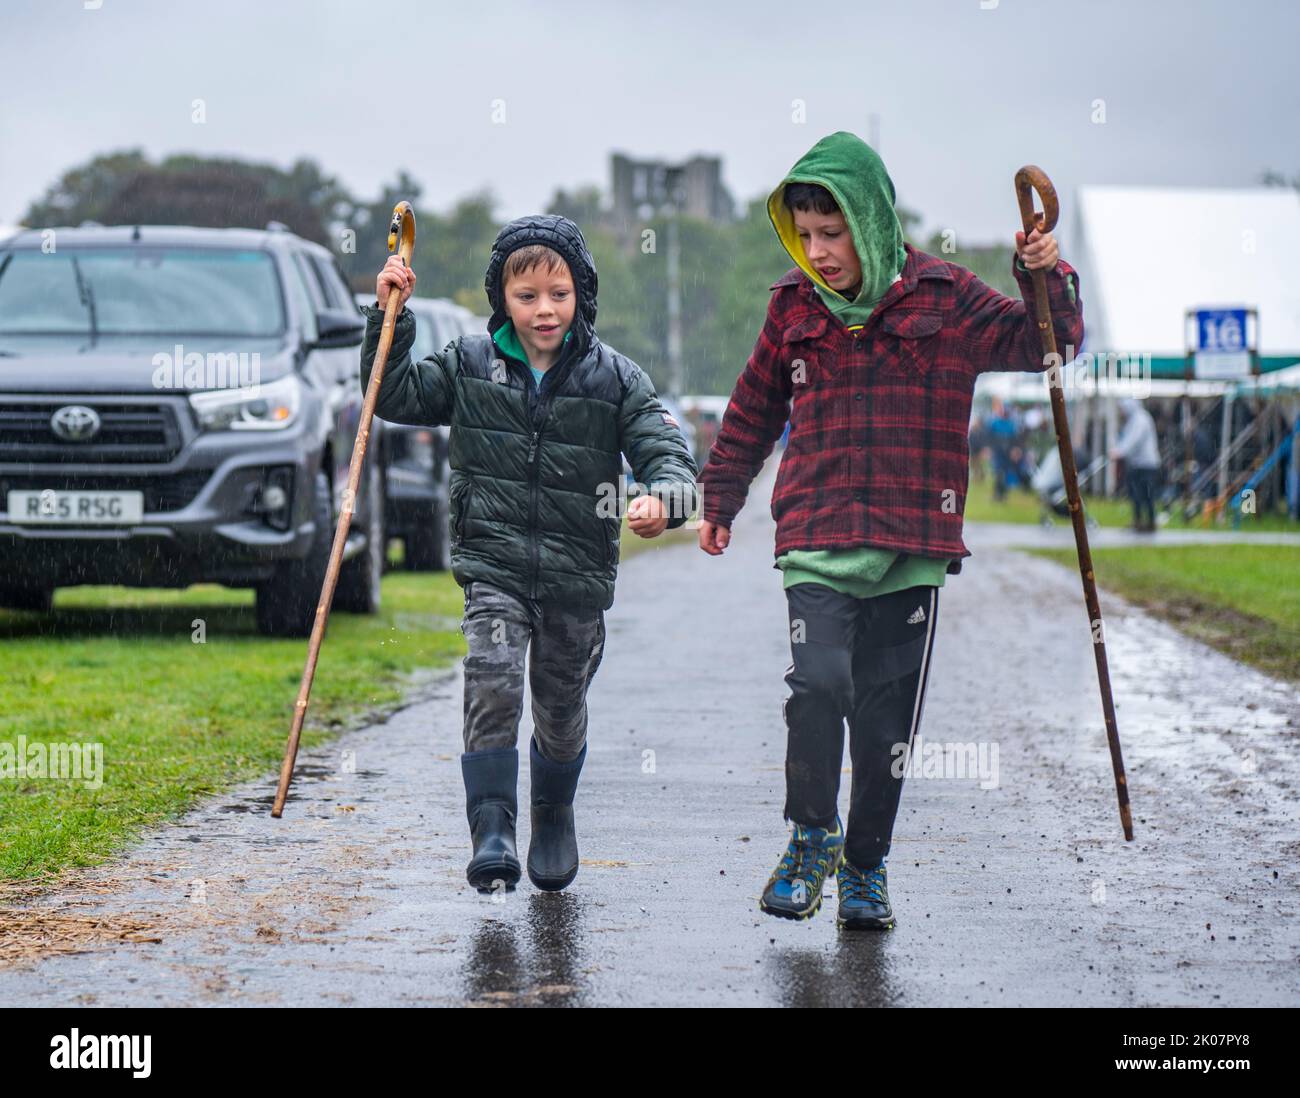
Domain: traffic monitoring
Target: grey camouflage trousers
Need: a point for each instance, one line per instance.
(566, 645)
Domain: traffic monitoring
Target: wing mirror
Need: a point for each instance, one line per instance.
(339, 328)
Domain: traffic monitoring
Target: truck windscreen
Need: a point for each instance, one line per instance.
(139, 291)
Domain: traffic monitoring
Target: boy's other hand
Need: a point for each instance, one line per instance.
(714, 538)
(398, 274)
(647, 517)
(1039, 252)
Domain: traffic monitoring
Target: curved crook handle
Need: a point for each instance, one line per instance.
(1029, 179)
(403, 224)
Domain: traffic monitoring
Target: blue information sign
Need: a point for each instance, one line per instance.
(1221, 349)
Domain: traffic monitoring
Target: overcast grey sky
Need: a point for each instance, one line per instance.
(1195, 92)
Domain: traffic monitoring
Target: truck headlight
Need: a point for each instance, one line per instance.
(269, 407)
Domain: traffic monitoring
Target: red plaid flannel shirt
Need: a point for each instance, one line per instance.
(879, 417)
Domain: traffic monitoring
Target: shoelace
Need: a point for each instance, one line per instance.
(856, 885)
(802, 850)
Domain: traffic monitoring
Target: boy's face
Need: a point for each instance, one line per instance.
(828, 244)
(541, 305)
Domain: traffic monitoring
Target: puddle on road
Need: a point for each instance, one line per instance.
(303, 775)
(1201, 692)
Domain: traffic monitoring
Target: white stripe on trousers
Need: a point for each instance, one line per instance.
(919, 705)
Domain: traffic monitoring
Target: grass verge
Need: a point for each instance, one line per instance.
(183, 709)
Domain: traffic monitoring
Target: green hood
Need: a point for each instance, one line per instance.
(850, 169)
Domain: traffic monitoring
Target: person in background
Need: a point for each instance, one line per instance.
(1001, 428)
(1138, 448)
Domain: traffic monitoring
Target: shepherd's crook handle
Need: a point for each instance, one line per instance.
(1030, 179)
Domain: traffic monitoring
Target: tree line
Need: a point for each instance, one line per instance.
(726, 269)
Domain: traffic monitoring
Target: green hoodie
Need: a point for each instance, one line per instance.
(855, 175)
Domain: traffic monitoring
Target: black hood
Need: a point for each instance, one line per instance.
(562, 235)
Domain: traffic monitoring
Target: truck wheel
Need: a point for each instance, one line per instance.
(39, 599)
(360, 578)
(286, 604)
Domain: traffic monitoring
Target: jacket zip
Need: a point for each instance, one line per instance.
(467, 497)
(533, 552)
(539, 413)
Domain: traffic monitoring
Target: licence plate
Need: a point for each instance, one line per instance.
(50, 507)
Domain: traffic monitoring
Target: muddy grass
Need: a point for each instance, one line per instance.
(1256, 641)
(1201, 589)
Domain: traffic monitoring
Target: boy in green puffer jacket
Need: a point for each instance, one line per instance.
(541, 414)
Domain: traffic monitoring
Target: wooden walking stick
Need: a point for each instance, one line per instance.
(1028, 180)
(403, 225)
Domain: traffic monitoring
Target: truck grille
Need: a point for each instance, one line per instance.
(129, 432)
(161, 493)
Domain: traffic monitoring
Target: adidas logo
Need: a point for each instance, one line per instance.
(917, 615)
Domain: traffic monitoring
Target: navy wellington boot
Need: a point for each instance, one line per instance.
(553, 849)
(491, 802)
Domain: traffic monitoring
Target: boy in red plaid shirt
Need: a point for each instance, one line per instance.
(870, 349)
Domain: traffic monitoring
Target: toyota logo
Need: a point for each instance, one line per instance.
(75, 422)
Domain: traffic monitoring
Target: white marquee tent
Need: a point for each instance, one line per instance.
(1146, 255)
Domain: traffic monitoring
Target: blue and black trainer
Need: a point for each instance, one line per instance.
(864, 898)
(794, 890)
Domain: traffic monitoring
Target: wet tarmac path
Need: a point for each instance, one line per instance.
(1023, 892)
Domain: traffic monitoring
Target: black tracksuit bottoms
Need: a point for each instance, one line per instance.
(867, 661)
